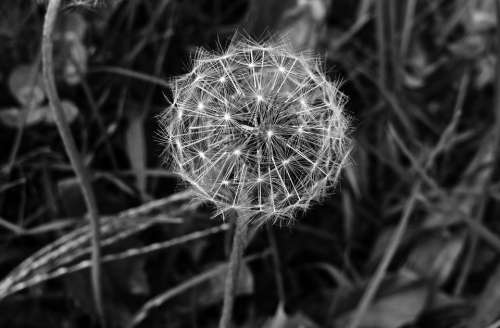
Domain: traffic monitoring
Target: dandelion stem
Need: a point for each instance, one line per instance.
(231, 284)
(73, 154)
(280, 286)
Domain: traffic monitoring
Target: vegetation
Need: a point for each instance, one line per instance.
(95, 230)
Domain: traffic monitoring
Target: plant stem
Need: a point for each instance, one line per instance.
(280, 286)
(379, 275)
(232, 275)
(73, 154)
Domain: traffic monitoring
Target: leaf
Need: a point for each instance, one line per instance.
(469, 47)
(212, 291)
(136, 149)
(436, 256)
(485, 67)
(72, 54)
(282, 320)
(71, 197)
(488, 306)
(69, 108)
(393, 310)
(76, 64)
(26, 85)
(301, 21)
(14, 117)
(482, 18)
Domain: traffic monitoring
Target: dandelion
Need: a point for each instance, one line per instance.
(258, 129)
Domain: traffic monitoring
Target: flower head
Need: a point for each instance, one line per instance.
(257, 128)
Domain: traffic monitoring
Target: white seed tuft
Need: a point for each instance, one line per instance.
(287, 139)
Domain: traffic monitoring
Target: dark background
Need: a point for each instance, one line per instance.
(424, 101)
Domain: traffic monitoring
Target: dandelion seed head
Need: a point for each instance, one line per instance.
(287, 138)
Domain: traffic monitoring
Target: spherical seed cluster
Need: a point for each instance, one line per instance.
(257, 128)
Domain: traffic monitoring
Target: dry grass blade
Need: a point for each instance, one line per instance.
(133, 74)
(58, 258)
(379, 275)
(194, 281)
(10, 286)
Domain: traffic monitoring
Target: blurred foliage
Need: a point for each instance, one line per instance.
(425, 102)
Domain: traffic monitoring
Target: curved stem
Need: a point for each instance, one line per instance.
(73, 154)
(232, 275)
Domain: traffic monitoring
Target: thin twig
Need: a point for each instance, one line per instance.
(73, 154)
(232, 275)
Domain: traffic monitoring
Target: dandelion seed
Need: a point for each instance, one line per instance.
(302, 124)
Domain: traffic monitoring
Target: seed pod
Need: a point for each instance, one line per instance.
(257, 128)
